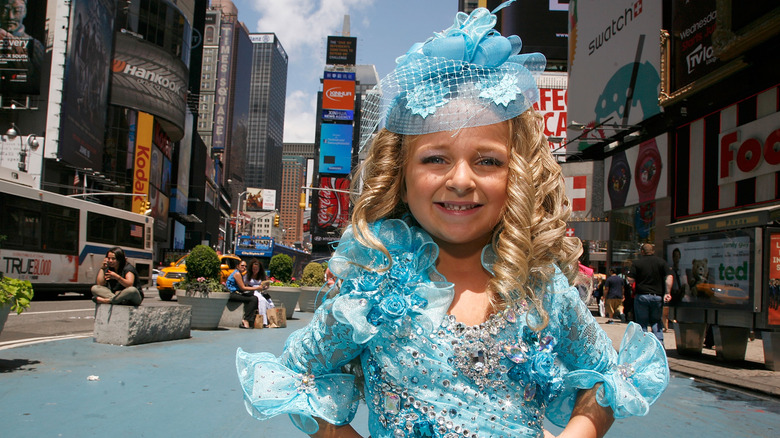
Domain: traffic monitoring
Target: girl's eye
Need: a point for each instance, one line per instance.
(434, 159)
(490, 161)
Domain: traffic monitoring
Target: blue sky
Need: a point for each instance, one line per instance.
(385, 29)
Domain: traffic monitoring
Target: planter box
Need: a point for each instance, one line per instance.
(286, 296)
(206, 311)
(5, 309)
(311, 298)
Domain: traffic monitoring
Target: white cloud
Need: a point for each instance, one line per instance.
(303, 27)
(299, 117)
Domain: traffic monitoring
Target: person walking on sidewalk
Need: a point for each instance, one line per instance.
(614, 295)
(653, 280)
(117, 281)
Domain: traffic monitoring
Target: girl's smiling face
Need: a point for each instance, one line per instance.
(456, 185)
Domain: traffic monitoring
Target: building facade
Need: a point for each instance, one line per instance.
(267, 93)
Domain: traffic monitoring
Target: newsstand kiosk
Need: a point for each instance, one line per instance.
(729, 268)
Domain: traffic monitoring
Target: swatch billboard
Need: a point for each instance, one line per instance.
(614, 64)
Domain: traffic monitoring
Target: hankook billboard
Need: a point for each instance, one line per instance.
(145, 77)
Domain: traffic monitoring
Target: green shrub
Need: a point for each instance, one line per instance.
(17, 292)
(203, 262)
(281, 266)
(313, 275)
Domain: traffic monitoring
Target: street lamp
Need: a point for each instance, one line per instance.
(24, 147)
(239, 221)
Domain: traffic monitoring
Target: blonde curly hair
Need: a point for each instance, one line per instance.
(529, 240)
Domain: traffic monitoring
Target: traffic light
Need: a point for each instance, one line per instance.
(276, 220)
(146, 207)
(302, 203)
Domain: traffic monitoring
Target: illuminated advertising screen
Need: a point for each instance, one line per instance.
(341, 50)
(335, 148)
(337, 93)
(543, 26)
(773, 305)
(693, 25)
(21, 46)
(716, 270)
(332, 210)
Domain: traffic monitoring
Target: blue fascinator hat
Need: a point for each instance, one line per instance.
(467, 75)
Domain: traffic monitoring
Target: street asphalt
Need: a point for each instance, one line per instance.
(79, 388)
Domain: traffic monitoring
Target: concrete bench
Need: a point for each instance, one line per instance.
(232, 315)
(152, 322)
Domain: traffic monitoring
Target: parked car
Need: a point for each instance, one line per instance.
(155, 273)
(173, 274)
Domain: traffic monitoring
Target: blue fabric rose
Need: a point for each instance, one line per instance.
(379, 293)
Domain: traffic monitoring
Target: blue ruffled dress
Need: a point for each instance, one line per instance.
(425, 374)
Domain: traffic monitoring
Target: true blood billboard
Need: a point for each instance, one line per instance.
(332, 210)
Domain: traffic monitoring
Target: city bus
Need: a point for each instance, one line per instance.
(263, 248)
(58, 242)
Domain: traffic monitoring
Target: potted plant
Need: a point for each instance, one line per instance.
(14, 295)
(284, 289)
(202, 288)
(311, 284)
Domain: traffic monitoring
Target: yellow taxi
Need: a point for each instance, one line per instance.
(167, 279)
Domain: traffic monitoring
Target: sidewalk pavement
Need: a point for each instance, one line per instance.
(79, 388)
(749, 374)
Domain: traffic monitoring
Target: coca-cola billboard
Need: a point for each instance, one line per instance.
(332, 209)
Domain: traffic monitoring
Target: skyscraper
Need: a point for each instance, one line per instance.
(267, 91)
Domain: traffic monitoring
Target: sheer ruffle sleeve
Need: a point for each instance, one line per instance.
(271, 388)
(304, 381)
(632, 379)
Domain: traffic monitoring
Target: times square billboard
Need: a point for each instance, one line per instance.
(22, 34)
(86, 83)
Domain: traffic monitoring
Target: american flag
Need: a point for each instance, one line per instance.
(136, 231)
(76, 179)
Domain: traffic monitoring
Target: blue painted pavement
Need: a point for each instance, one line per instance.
(189, 388)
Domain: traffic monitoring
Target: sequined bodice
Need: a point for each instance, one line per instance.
(451, 381)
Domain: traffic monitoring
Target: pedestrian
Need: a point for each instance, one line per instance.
(117, 281)
(457, 309)
(652, 279)
(255, 278)
(678, 289)
(614, 286)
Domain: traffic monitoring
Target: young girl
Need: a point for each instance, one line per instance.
(456, 293)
